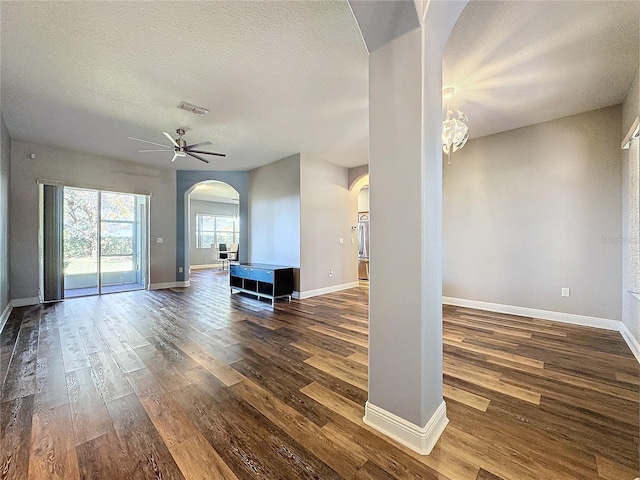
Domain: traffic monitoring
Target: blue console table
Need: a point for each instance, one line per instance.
(262, 280)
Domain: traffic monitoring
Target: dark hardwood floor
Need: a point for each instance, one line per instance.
(197, 384)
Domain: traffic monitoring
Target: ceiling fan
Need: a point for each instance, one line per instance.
(180, 147)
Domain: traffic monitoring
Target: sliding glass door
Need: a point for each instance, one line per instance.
(104, 242)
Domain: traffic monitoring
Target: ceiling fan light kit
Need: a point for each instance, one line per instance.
(179, 147)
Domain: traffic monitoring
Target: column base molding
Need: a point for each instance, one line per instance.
(418, 439)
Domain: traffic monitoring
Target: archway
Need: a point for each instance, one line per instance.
(186, 181)
(213, 221)
(361, 187)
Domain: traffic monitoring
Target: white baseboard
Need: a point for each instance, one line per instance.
(325, 290)
(633, 343)
(205, 265)
(604, 323)
(419, 439)
(160, 286)
(5, 316)
(25, 302)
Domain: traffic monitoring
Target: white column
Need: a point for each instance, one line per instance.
(405, 167)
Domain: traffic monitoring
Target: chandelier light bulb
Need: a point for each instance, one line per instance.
(455, 127)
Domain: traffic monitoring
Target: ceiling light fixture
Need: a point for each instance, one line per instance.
(189, 107)
(455, 130)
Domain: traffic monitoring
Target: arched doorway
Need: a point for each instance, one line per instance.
(361, 187)
(214, 220)
(186, 181)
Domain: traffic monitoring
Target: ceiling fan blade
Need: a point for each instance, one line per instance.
(195, 145)
(173, 142)
(152, 143)
(207, 153)
(198, 157)
(153, 150)
(175, 155)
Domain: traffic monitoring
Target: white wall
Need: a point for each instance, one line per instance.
(630, 171)
(5, 174)
(532, 210)
(274, 213)
(91, 171)
(328, 211)
(205, 256)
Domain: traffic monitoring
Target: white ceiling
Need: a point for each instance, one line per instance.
(286, 77)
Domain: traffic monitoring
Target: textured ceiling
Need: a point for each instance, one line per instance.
(517, 63)
(278, 77)
(286, 77)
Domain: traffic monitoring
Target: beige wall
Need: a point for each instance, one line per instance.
(299, 208)
(5, 174)
(328, 210)
(532, 210)
(274, 213)
(91, 171)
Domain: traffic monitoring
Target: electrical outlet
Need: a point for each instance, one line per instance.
(331, 273)
(159, 240)
(180, 270)
(565, 292)
(341, 240)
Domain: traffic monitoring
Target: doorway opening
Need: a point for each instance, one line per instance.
(105, 242)
(362, 187)
(214, 225)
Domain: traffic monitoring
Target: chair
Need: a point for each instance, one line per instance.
(232, 256)
(222, 255)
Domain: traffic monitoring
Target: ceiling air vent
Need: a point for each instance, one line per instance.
(189, 107)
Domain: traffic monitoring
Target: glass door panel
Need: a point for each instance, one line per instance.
(80, 233)
(119, 239)
(104, 242)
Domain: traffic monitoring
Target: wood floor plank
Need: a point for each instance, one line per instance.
(88, 410)
(470, 399)
(103, 458)
(163, 368)
(173, 425)
(221, 370)
(334, 402)
(299, 428)
(360, 357)
(73, 350)
(198, 460)
(20, 380)
(51, 389)
(15, 440)
(146, 454)
(611, 470)
(108, 376)
(53, 453)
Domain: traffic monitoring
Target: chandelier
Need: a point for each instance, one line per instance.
(455, 129)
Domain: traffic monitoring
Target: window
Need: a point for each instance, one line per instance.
(216, 229)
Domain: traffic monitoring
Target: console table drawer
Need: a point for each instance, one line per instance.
(261, 275)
